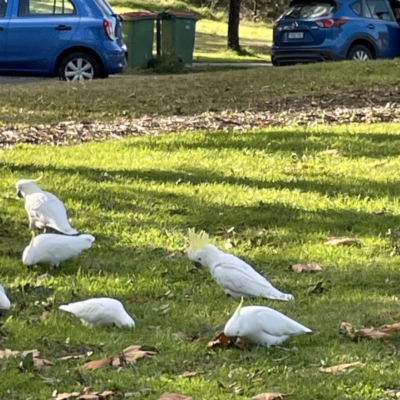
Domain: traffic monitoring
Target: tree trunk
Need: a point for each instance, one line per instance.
(233, 25)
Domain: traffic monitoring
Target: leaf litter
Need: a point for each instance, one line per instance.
(340, 367)
(310, 110)
(342, 240)
(309, 267)
(174, 396)
(383, 332)
(129, 355)
(270, 396)
(84, 394)
(221, 341)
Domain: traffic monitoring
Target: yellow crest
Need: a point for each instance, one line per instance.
(197, 240)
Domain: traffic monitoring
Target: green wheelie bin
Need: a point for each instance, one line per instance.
(138, 35)
(178, 31)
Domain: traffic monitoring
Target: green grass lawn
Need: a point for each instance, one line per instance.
(281, 195)
(139, 95)
(211, 31)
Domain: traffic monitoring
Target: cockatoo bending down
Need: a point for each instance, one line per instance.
(52, 248)
(4, 301)
(44, 209)
(101, 311)
(236, 277)
(262, 325)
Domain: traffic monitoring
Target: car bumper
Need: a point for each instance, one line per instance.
(294, 56)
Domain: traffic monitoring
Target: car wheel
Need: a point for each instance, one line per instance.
(359, 53)
(79, 66)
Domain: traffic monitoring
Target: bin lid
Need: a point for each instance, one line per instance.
(139, 15)
(182, 14)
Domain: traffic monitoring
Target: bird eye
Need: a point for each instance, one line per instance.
(199, 258)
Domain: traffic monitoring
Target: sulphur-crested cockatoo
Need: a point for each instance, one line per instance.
(236, 277)
(262, 325)
(53, 248)
(4, 301)
(44, 209)
(101, 311)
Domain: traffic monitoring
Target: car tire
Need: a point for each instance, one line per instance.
(359, 53)
(80, 66)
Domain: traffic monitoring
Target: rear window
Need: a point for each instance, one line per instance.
(309, 10)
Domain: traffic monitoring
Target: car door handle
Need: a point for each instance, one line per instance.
(371, 26)
(63, 28)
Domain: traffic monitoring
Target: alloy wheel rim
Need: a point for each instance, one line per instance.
(360, 56)
(79, 69)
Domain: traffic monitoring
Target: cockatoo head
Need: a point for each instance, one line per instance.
(200, 252)
(27, 186)
(28, 256)
(126, 321)
(4, 301)
(235, 327)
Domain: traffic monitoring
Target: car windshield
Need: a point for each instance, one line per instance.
(309, 10)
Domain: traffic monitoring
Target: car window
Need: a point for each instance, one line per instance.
(105, 7)
(356, 7)
(45, 7)
(377, 9)
(309, 10)
(3, 8)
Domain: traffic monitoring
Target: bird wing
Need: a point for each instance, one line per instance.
(91, 310)
(237, 276)
(4, 301)
(275, 323)
(59, 246)
(49, 210)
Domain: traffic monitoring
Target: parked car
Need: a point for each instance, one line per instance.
(329, 30)
(72, 39)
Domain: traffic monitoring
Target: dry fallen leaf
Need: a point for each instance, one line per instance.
(271, 396)
(393, 392)
(84, 394)
(74, 357)
(174, 396)
(329, 152)
(128, 355)
(341, 367)
(12, 353)
(41, 362)
(222, 341)
(342, 240)
(190, 374)
(309, 267)
(383, 332)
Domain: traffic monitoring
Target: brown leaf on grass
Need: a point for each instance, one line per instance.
(84, 394)
(309, 267)
(383, 332)
(75, 357)
(222, 341)
(271, 396)
(41, 362)
(341, 367)
(342, 240)
(128, 355)
(393, 392)
(174, 396)
(191, 374)
(96, 364)
(136, 299)
(13, 353)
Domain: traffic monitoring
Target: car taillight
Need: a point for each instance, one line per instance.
(331, 22)
(108, 29)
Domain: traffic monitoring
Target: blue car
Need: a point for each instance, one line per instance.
(333, 30)
(71, 39)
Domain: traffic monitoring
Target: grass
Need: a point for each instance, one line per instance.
(211, 32)
(282, 196)
(139, 95)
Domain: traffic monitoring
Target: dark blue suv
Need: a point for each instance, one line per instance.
(72, 39)
(328, 30)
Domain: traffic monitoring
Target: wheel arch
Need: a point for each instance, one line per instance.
(77, 49)
(363, 41)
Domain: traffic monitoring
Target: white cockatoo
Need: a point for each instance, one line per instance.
(262, 325)
(53, 248)
(4, 301)
(101, 311)
(44, 209)
(236, 277)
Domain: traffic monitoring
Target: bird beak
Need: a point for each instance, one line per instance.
(197, 264)
(19, 194)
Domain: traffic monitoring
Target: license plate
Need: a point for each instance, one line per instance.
(296, 35)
